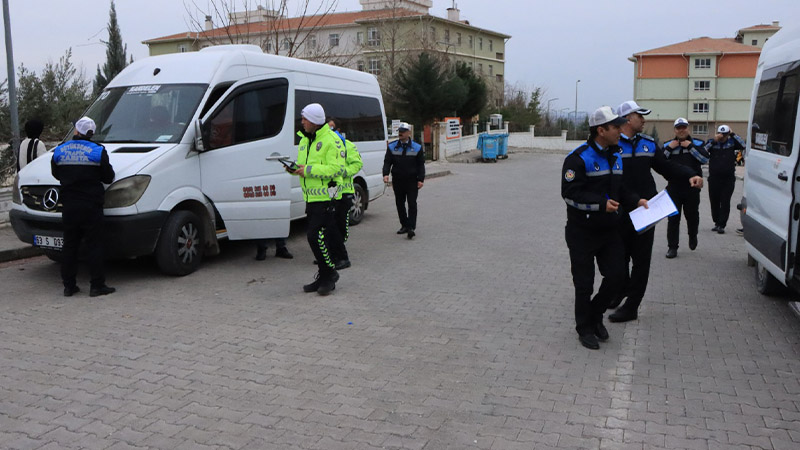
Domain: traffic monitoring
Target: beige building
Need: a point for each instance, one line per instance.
(708, 81)
(376, 39)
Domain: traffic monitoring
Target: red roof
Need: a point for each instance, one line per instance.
(761, 27)
(293, 23)
(702, 45)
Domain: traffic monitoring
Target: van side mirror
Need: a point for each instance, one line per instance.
(199, 139)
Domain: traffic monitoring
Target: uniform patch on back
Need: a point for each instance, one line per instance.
(569, 175)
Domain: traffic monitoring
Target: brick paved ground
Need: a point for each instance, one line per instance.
(461, 338)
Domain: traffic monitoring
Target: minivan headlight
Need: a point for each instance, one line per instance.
(16, 197)
(126, 191)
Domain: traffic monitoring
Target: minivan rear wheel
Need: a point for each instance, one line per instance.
(359, 204)
(766, 284)
(180, 246)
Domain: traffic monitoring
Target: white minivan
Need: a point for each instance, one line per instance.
(196, 141)
(771, 202)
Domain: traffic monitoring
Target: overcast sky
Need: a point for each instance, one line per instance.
(553, 43)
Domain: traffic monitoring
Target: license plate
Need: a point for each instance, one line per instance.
(48, 241)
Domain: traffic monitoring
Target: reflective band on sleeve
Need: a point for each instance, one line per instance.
(598, 173)
(582, 206)
(698, 156)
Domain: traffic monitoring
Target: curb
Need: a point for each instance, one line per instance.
(20, 253)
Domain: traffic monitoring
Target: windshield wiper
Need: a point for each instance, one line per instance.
(124, 141)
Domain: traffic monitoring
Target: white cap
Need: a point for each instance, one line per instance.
(723, 129)
(403, 126)
(84, 125)
(314, 113)
(631, 107)
(604, 115)
(680, 121)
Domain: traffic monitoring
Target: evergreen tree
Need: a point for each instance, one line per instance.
(477, 93)
(116, 58)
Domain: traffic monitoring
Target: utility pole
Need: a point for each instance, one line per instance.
(12, 83)
(575, 117)
(548, 111)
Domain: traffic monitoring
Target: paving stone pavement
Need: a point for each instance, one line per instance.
(461, 338)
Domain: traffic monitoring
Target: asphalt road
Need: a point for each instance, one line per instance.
(461, 338)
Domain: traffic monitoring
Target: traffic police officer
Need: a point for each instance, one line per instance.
(690, 152)
(722, 173)
(82, 167)
(593, 190)
(639, 155)
(405, 159)
(320, 159)
(352, 165)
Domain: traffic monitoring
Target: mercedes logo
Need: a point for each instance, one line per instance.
(50, 199)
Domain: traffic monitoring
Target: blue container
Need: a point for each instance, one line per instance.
(487, 144)
(502, 146)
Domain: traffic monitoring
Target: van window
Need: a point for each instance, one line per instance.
(254, 111)
(775, 111)
(361, 117)
(148, 113)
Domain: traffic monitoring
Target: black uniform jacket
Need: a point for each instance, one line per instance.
(405, 160)
(639, 155)
(589, 178)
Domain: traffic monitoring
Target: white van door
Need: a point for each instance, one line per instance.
(772, 189)
(250, 192)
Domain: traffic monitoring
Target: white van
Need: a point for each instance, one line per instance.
(195, 140)
(771, 203)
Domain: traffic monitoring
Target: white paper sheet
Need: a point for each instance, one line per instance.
(660, 206)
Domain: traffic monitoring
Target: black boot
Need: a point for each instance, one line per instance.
(283, 252)
(327, 282)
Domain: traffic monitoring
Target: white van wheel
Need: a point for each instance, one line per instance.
(359, 205)
(766, 284)
(180, 246)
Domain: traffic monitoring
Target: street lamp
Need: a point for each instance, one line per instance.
(548, 110)
(575, 117)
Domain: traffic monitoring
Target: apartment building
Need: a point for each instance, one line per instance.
(706, 80)
(376, 39)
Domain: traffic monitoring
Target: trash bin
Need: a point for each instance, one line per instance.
(502, 146)
(487, 144)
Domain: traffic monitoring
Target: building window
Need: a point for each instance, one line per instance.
(702, 85)
(700, 108)
(471, 66)
(360, 38)
(702, 63)
(312, 42)
(701, 129)
(269, 45)
(433, 34)
(491, 45)
(285, 44)
(360, 66)
(754, 42)
(374, 66)
(471, 45)
(499, 78)
(491, 70)
(447, 36)
(333, 40)
(480, 43)
(182, 48)
(480, 68)
(373, 37)
(458, 39)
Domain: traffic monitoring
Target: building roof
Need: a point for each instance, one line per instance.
(702, 45)
(318, 21)
(761, 27)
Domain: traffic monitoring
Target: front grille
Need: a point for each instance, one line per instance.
(34, 198)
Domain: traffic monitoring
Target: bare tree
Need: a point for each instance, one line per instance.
(266, 23)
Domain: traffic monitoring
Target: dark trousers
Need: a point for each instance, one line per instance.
(720, 191)
(585, 246)
(82, 222)
(405, 190)
(638, 254)
(323, 235)
(342, 219)
(262, 244)
(687, 201)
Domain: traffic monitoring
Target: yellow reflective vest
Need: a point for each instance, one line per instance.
(324, 159)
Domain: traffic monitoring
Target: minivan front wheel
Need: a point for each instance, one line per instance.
(180, 246)
(766, 284)
(359, 204)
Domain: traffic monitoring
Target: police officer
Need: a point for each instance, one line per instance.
(639, 155)
(405, 159)
(690, 152)
(352, 165)
(320, 159)
(722, 174)
(82, 167)
(593, 190)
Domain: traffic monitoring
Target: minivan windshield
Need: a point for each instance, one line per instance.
(145, 114)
